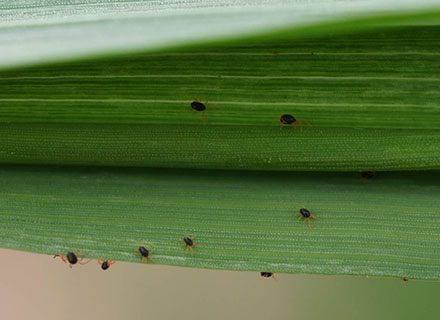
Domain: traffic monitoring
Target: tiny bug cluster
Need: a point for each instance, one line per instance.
(72, 257)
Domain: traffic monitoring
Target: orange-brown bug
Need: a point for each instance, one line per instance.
(404, 279)
(198, 105)
(145, 253)
(105, 264)
(268, 275)
(189, 243)
(72, 258)
(289, 119)
(305, 213)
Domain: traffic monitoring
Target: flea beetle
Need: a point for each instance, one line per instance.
(289, 119)
(145, 253)
(268, 275)
(105, 264)
(199, 106)
(305, 213)
(71, 258)
(189, 243)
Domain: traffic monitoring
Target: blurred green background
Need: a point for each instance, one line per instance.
(39, 287)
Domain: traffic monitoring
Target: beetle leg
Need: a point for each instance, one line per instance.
(151, 259)
(299, 219)
(82, 263)
(80, 255)
(310, 223)
(196, 244)
(192, 250)
(186, 110)
(144, 260)
(294, 125)
(308, 123)
(314, 217)
(61, 256)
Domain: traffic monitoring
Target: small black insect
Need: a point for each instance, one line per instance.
(189, 243)
(368, 175)
(198, 105)
(289, 119)
(105, 264)
(71, 258)
(268, 275)
(145, 253)
(305, 213)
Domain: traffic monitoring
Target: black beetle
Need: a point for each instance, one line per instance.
(198, 105)
(72, 258)
(105, 264)
(289, 119)
(189, 243)
(305, 213)
(145, 253)
(268, 275)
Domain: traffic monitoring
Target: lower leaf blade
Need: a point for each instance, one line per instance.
(386, 226)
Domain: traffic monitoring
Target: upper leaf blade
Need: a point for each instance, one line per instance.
(42, 31)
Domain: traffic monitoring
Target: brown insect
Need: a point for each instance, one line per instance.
(72, 258)
(268, 275)
(189, 243)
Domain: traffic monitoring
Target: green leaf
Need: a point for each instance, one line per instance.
(387, 226)
(368, 85)
(220, 147)
(383, 82)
